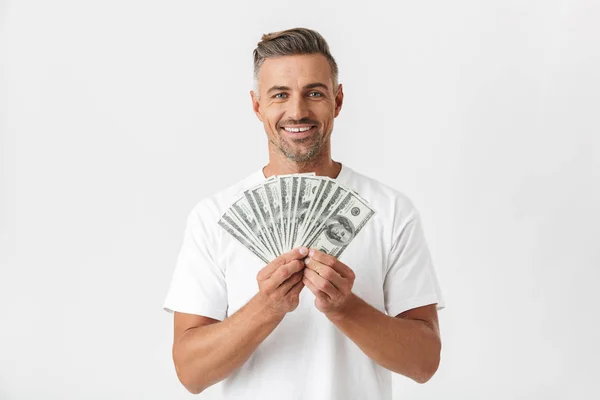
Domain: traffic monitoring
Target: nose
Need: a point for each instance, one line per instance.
(298, 108)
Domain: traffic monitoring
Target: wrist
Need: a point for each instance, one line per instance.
(264, 309)
(345, 311)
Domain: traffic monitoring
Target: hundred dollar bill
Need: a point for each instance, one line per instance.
(335, 197)
(286, 201)
(342, 225)
(261, 223)
(324, 192)
(235, 222)
(295, 186)
(293, 209)
(274, 201)
(287, 212)
(308, 191)
(264, 213)
(315, 194)
(244, 212)
(249, 245)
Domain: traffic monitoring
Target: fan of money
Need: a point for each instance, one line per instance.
(287, 211)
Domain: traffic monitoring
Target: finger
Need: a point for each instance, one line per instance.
(289, 285)
(332, 262)
(321, 284)
(290, 282)
(285, 271)
(297, 288)
(311, 286)
(325, 272)
(294, 254)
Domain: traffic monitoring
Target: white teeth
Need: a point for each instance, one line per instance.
(296, 129)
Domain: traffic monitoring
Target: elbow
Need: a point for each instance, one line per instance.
(429, 366)
(189, 384)
(424, 376)
(187, 379)
(426, 373)
(194, 390)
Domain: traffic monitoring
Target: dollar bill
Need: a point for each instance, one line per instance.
(336, 196)
(274, 202)
(325, 190)
(308, 191)
(287, 211)
(286, 201)
(286, 193)
(342, 225)
(264, 212)
(243, 210)
(313, 204)
(268, 235)
(235, 222)
(244, 241)
(293, 209)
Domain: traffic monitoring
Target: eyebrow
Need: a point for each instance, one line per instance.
(309, 86)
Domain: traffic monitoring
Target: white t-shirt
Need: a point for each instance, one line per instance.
(306, 356)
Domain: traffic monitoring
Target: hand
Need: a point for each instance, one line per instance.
(331, 282)
(280, 282)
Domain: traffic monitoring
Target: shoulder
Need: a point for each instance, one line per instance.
(384, 198)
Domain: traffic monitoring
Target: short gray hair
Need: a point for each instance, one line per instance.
(291, 42)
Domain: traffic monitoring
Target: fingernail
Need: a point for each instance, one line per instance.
(310, 254)
(303, 250)
(306, 260)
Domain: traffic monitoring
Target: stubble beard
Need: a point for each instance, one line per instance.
(300, 155)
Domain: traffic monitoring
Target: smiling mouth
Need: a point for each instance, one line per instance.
(299, 133)
(298, 129)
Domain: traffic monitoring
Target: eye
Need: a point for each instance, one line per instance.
(315, 94)
(280, 95)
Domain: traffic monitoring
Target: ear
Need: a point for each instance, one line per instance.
(339, 100)
(256, 105)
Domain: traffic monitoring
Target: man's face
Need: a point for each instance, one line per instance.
(297, 104)
(340, 231)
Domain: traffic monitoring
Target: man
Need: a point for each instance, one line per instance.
(254, 327)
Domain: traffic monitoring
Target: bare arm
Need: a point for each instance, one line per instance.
(206, 351)
(408, 344)
(206, 354)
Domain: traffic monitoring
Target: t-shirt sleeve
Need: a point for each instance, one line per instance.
(198, 284)
(411, 280)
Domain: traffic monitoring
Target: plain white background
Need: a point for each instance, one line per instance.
(118, 116)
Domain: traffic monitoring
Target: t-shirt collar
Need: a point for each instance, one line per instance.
(259, 176)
